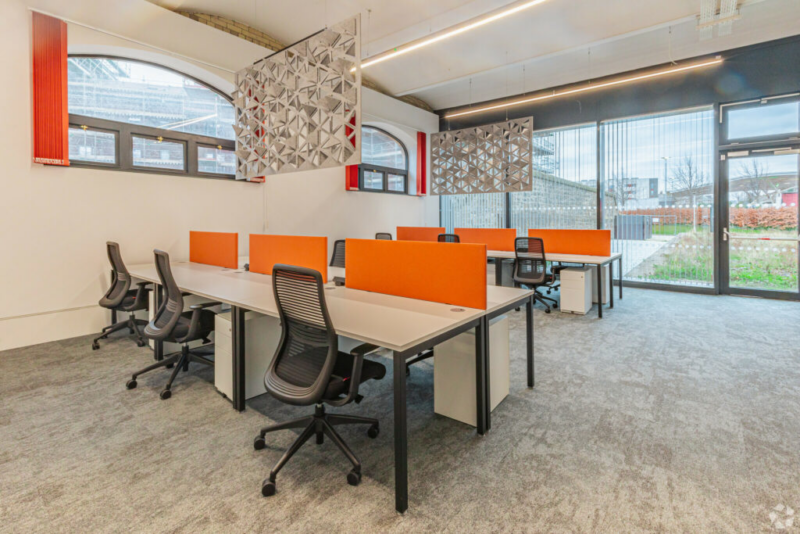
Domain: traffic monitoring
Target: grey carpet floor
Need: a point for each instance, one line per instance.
(675, 413)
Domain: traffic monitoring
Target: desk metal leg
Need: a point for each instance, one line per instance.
(529, 336)
(611, 283)
(600, 291)
(400, 435)
(158, 346)
(619, 261)
(486, 375)
(480, 375)
(498, 272)
(237, 328)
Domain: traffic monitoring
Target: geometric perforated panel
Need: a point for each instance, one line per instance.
(300, 109)
(494, 158)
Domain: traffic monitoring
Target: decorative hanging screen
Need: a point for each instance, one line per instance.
(495, 158)
(300, 109)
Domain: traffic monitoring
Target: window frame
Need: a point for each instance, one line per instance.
(124, 133)
(727, 108)
(385, 171)
(86, 127)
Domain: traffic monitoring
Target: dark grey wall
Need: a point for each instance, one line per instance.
(765, 69)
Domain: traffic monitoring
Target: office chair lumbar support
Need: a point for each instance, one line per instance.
(171, 324)
(121, 298)
(309, 369)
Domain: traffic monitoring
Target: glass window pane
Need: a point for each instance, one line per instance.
(762, 221)
(564, 191)
(658, 191)
(485, 210)
(158, 155)
(763, 120)
(397, 182)
(379, 148)
(138, 93)
(215, 160)
(92, 146)
(373, 180)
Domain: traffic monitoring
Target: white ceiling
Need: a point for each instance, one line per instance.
(555, 43)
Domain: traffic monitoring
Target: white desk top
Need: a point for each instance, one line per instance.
(566, 258)
(395, 323)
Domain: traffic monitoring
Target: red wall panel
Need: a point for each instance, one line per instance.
(50, 108)
(422, 164)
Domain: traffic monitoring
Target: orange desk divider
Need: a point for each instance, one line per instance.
(418, 233)
(438, 272)
(585, 242)
(302, 251)
(493, 238)
(214, 248)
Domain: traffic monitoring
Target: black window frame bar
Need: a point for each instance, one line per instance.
(385, 171)
(125, 132)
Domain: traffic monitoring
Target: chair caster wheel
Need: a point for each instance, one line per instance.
(354, 478)
(165, 394)
(268, 488)
(140, 343)
(170, 366)
(373, 431)
(131, 384)
(95, 345)
(259, 443)
(547, 310)
(555, 305)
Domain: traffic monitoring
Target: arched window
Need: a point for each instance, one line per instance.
(136, 116)
(384, 162)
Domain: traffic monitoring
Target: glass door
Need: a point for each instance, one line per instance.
(759, 213)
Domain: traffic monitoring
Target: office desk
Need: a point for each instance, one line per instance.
(598, 261)
(405, 326)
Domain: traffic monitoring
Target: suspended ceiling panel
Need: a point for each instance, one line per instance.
(494, 158)
(300, 109)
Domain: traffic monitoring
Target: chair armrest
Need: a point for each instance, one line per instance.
(358, 354)
(141, 291)
(194, 325)
(204, 305)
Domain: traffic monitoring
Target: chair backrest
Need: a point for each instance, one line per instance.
(448, 238)
(306, 355)
(121, 279)
(337, 259)
(384, 236)
(169, 312)
(530, 265)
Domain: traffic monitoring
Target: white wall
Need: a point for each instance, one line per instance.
(55, 221)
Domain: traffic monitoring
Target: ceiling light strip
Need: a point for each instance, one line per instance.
(591, 87)
(450, 32)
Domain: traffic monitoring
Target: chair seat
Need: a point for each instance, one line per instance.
(302, 369)
(181, 329)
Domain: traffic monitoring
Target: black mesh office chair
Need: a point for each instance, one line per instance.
(309, 369)
(384, 236)
(172, 324)
(121, 298)
(337, 259)
(530, 268)
(448, 238)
